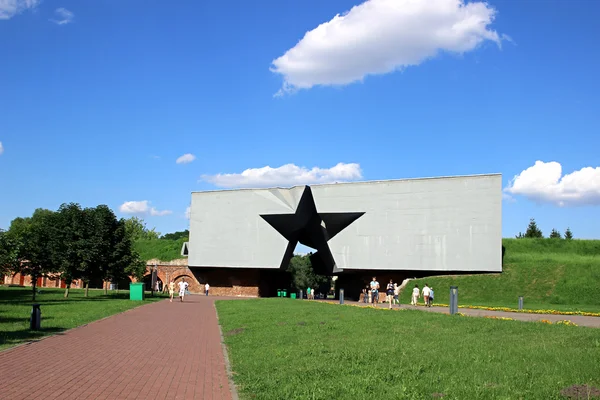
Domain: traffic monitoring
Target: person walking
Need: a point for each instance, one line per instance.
(375, 290)
(389, 292)
(183, 285)
(430, 296)
(206, 288)
(396, 293)
(416, 293)
(426, 293)
(171, 290)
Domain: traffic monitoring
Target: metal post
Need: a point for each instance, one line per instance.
(341, 296)
(520, 302)
(36, 318)
(300, 295)
(453, 300)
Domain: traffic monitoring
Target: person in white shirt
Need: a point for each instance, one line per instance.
(426, 293)
(182, 288)
(416, 293)
(206, 288)
(396, 293)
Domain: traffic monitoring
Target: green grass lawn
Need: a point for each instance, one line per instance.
(549, 274)
(58, 313)
(287, 349)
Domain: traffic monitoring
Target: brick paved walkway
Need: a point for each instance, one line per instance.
(592, 322)
(161, 350)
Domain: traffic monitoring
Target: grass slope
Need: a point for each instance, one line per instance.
(548, 273)
(58, 313)
(163, 249)
(289, 349)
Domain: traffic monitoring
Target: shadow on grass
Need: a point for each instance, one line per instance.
(24, 336)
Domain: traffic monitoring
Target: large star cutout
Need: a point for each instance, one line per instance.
(312, 229)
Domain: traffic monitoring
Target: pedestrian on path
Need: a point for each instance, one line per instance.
(390, 293)
(426, 293)
(396, 293)
(375, 290)
(416, 293)
(206, 288)
(430, 296)
(171, 290)
(183, 285)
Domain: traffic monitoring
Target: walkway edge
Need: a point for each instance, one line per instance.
(232, 387)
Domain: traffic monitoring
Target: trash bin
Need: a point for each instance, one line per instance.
(136, 291)
(278, 292)
(293, 295)
(284, 293)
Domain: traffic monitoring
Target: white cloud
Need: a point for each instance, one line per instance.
(188, 212)
(1, 149)
(286, 175)
(381, 36)
(142, 208)
(63, 16)
(10, 8)
(186, 158)
(544, 183)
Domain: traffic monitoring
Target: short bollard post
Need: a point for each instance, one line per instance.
(453, 300)
(520, 302)
(341, 296)
(36, 318)
(300, 295)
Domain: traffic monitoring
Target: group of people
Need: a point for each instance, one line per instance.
(392, 291)
(427, 292)
(371, 292)
(183, 289)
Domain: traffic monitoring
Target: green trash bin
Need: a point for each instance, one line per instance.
(136, 291)
(284, 293)
(293, 295)
(278, 292)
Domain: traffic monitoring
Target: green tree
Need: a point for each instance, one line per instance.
(136, 228)
(532, 230)
(37, 246)
(8, 253)
(302, 273)
(555, 234)
(137, 267)
(71, 233)
(568, 234)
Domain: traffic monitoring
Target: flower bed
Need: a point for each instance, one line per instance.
(508, 309)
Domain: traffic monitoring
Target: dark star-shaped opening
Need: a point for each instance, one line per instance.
(312, 229)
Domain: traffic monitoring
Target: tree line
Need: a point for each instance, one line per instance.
(75, 242)
(534, 232)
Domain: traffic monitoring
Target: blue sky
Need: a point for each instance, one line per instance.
(98, 100)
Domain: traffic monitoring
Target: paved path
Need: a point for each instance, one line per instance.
(580, 320)
(161, 350)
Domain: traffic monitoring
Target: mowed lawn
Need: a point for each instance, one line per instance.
(292, 349)
(58, 313)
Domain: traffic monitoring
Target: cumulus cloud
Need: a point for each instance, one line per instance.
(544, 183)
(1, 149)
(63, 16)
(286, 175)
(186, 158)
(10, 8)
(141, 208)
(381, 36)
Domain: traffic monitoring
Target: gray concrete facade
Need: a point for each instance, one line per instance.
(431, 224)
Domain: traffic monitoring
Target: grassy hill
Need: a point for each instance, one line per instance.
(163, 249)
(548, 273)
